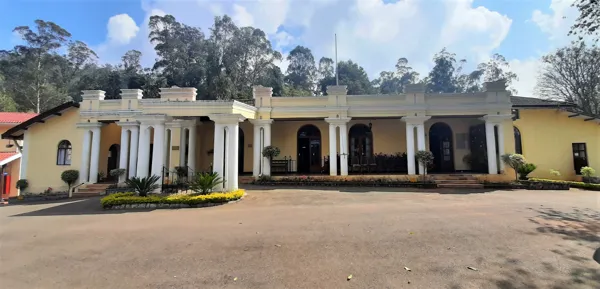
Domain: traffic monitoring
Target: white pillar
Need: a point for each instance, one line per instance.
(95, 156)
(256, 151)
(123, 153)
(182, 146)
(232, 156)
(501, 144)
(332, 150)
(192, 148)
(410, 148)
(490, 140)
(167, 148)
(266, 142)
(143, 151)
(344, 149)
(25, 157)
(219, 154)
(133, 154)
(84, 171)
(421, 144)
(158, 151)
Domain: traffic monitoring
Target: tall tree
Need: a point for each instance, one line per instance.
(588, 22)
(353, 76)
(441, 79)
(301, 69)
(572, 74)
(390, 82)
(497, 68)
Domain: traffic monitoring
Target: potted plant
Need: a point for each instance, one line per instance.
(425, 158)
(22, 184)
(525, 170)
(69, 177)
(182, 171)
(270, 152)
(117, 173)
(587, 173)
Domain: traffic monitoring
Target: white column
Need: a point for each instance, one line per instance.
(266, 142)
(192, 148)
(410, 148)
(133, 154)
(490, 141)
(167, 147)
(501, 144)
(421, 144)
(219, 154)
(84, 171)
(158, 151)
(123, 153)
(332, 150)
(182, 146)
(25, 156)
(344, 149)
(95, 156)
(256, 151)
(232, 156)
(143, 151)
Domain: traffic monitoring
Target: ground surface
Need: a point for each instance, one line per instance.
(291, 238)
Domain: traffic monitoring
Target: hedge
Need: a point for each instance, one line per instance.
(579, 185)
(118, 199)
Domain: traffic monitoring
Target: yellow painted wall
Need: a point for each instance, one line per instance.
(109, 134)
(12, 168)
(43, 139)
(547, 137)
(284, 135)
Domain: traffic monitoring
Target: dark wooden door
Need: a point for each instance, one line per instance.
(113, 160)
(304, 155)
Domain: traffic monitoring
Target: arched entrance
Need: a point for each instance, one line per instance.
(241, 152)
(113, 159)
(441, 145)
(309, 149)
(361, 144)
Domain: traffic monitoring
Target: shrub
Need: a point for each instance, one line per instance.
(270, 152)
(588, 172)
(580, 185)
(69, 177)
(22, 184)
(117, 173)
(554, 173)
(191, 200)
(182, 171)
(514, 161)
(203, 183)
(424, 158)
(143, 186)
(525, 170)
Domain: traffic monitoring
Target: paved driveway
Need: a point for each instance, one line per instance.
(289, 238)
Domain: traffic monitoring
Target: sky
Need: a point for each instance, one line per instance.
(373, 33)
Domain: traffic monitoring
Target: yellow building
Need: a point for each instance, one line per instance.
(10, 155)
(368, 134)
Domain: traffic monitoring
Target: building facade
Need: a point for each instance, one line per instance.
(336, 134)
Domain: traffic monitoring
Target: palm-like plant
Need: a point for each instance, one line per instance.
(143, 186)
(203, 183)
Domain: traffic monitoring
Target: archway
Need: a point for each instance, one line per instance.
(241, 152)
(518, 141)
(309, 149)
(113, 160)
(441, 145)
(361, 144)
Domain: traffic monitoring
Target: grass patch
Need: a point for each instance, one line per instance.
(190, 200)
(579, 185)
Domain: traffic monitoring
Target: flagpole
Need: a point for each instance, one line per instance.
(336, 62)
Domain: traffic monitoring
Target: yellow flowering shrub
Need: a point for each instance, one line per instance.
(191, 200)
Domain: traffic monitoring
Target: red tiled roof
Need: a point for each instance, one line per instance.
(6, 155)
(15, 117)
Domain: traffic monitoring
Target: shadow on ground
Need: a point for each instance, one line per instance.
(88, 206)
(461, 191)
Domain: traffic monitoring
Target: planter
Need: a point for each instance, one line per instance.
(540, 185)
(28, 198)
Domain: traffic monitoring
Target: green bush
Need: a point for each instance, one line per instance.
(588, 172)
(525, 170)
(579, 185)
(203, 183)
(554, 173)
(69, 177)
(117, 173)
(22, 184)
(143, 186)
(424, 158)
(191, 200)
(270, 152)
(514, 161)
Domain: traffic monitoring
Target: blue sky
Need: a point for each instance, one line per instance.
(375, 33)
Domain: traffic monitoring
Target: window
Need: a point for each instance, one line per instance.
(580, 157)
(518, 143)
(361, 143)
(63, 156)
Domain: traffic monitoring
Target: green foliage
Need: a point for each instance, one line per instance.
(394, 82)
(22, 184)
(425, 158)
(116, 173)
(182, 171)
(301, 70)
(555, 173)
(514, 161)
(69, 177)
(579, 185)
(525, 170)
(586, 23)
(352, 75)
(271, 152)
(143, 186)
(588, 172)
(191, 200)
(204, 183)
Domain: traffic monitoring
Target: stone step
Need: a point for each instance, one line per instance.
(457, 181)
(246, 179)
(460, 186)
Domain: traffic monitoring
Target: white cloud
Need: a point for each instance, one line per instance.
(557, 23)
(281, 39)
(241, 17)
(121, 29)
(527, 71)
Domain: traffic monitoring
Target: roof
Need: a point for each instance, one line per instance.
(7, 157)
(15, 117)
(17, 131)
(521, 101)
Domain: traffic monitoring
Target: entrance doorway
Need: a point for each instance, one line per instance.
(441, 145)
(241, 152)
(113, 160)
(309, 149)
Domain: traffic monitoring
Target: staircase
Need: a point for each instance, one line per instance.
(90, 190)
(245, 179)
(457, 181)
